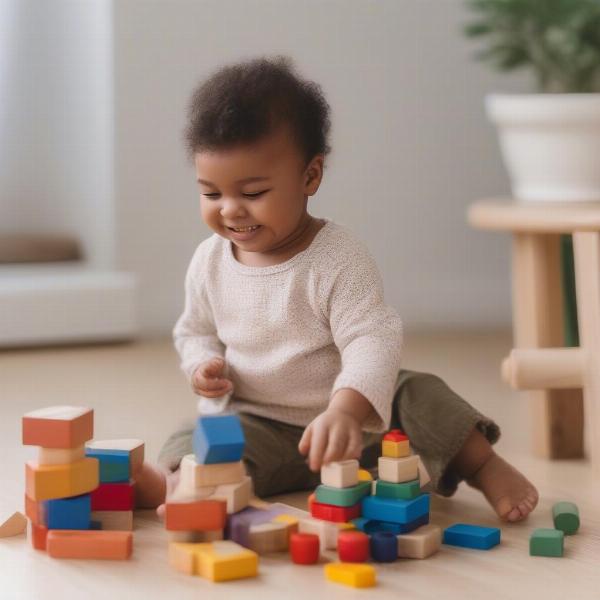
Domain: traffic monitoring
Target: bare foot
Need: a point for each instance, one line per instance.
(150, 486)
(509, 492)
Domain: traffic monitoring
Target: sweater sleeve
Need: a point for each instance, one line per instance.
(367, 333)
(195, 334)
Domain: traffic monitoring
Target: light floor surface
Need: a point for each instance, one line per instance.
(137, 390)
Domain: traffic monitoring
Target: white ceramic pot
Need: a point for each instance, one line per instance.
(550, 144)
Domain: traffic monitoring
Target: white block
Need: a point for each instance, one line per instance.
(340, 474)
(114, 520)
(60, 456)
(194, 475)
(237, 495)
(327, 531)
(420, 543)
(398, 470)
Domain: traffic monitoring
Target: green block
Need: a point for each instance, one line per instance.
(566, 517)
(342, 496)
(398, 491)
(546, 542)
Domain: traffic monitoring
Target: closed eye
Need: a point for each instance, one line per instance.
(254, 195)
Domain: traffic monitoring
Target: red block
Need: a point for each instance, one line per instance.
(395, 435)
(39, 533)
(353, 546)
(337, 514)
(113, 496)
(201, 515)
(304, 548)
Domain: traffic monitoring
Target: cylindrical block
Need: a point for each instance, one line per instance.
(304, 548)
(353, 546)
(384, 546)
(566, 517)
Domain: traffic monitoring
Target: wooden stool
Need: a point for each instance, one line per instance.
(565, 379)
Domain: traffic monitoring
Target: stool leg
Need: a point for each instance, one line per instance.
(538, 323)
(586, 246)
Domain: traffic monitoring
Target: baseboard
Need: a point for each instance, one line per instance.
(46, 304)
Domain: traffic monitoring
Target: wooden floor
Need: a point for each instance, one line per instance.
(137, 391)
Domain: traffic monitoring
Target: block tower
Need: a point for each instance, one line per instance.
(60, 486)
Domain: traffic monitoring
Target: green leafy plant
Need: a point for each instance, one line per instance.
(558, 39)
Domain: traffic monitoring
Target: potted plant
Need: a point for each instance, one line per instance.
(550, 141)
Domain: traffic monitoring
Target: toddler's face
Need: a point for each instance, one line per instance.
(260, 189)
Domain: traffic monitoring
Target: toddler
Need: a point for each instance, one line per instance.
(285, 321)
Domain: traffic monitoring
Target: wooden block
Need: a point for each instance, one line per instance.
(420, 543)
(194, 475)
(304, 548)
(291, 523)
(58, 427)
(236, 495)
(395, 435)
(68, 513)
(340, 474)
(114, 520)
(383, 546)
(113, 496)
(218, 439)
(566, 517)
(395, 449)
(266, 538)
(342, 496)
(109, 545)
(399, 491)
(16, 524)
(337, 514)
(395, 511)
(216, 561)
(201, 515)
(114, 468)
(351, 574)
(546, 542)
(60, 456)
(191, 537)
(471, 536)
(424, 477)
(239, 524)
(60, 481)
(364, 475)
(39, 533)
(132, 448)
(353, 546)
(35, 511)
(327, 531)
(398, 470)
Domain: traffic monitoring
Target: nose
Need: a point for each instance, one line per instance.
(231, 208)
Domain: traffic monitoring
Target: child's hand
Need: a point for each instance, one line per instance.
(208, 379)
(334, 435)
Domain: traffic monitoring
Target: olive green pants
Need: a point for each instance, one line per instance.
(436, 420)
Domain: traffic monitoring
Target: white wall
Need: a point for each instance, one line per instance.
(56, 121)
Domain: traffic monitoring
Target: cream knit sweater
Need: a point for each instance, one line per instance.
(293, 334)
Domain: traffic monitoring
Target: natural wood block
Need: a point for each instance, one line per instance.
(114, 520)
(60, 456)
(265, 538)
(39, 533)
(60, 481)
(357, 575)
(291, 523)
(16, 524)
(191, 537)
(132, 448)
(327, 531)
(58, 427)
(395, 449)
(110, 545)
(420, 543)
(398, 470)
(216, 561)
(236, 495)
(194, 475)
(340, 474)
(201, 515)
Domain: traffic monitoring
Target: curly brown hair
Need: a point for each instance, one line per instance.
(243, 102)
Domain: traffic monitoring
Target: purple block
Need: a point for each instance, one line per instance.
(238, 524)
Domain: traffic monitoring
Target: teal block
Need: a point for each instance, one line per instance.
(566, 517)
(343, 496)
(114, 465)
(546, 542)
(398, 491)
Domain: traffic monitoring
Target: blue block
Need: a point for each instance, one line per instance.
(384, 546)
(114, 464)
(218, 439)
(360, 523)
(395, 511)
(69, 513)
(397, 528)
(472, 536)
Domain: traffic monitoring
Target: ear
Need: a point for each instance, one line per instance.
(313, 175)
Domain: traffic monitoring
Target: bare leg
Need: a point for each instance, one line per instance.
(509, 492)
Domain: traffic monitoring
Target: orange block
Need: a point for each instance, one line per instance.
(111, 545)
(201, 515)
(58, 427)
(34, 511)
(39, 534)
(45, 482)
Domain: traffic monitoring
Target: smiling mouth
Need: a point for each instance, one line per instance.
(244, 229)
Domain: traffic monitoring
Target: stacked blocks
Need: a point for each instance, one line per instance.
(211, 500)
(472, 536)
(60, 486)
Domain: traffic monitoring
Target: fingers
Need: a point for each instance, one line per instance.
(336, 445)
(318, 445)
(355, 445)
(208, 381)
(304, 443)
(213, 368)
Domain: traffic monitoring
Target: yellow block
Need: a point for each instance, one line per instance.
(395, 449)
(45, 482)
(357, 575)
(364, 475)
(217, 561)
